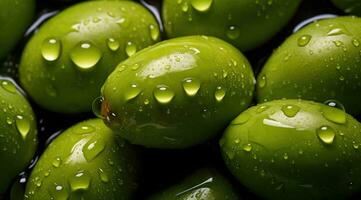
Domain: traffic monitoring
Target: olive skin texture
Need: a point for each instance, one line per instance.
(18, 133)
(66, 62)
(15, 17)
(348, 6)
(177, 93)
(86, 161)
(320, 62)
(246, 24)
(204, 184)
(295, 149)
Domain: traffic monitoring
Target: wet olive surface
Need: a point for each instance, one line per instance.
(161, 167)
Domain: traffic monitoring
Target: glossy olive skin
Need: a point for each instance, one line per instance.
(70, 83)
(204, 184)
(320, 62)
(86, 161)
(295, 149)
(177, 93)
(18, 133)
(349, 6)
(15, 17)
(246, 24)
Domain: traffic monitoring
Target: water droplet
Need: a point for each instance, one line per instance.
(356, 42)
(85, 129)
(335, 31)
(56, 162)
(290, 110)
(326, 134)
(191, 86)
(233, 32)
(132, 93)
(338, 43)
(51, 49)
(22, 125)
(85, 55)
(97, 107)
(60, 193)
(285, 156)
(130, 49)
(8, 86)
(163, 94)
(261, 108)
(334, 112)
(103, 176)
(81, 181)
(304, 40)
(241, 119)
(113, 44)
(93, 148)
(9, 120)
(154, 32)
(201, 5)
(262, 81)
(185, 7)
(219, 94)
(247, 147)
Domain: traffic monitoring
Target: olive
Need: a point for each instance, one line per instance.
(87, 161)
(177, 93)
(15, 17)
(295, 149)
(320, 62)
(68, 59)
(204, 184)
(18, 133)
(349, 6)
(246, 24)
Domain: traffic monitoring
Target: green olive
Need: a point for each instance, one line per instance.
(246, 24)
(86, 161)
(295, 149)
(15, 17)
(177, 93)
(69, 58)
(18, 133)
(320, 62)
(204, 184)
(349, 6)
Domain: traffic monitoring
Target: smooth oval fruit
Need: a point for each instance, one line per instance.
(349, 6)
(295, 149)
(177, 93)
(15, 17)
(204, 184)
(69, 58)
(320, 62)
(246, 24)
(86, 161)
(18, 133)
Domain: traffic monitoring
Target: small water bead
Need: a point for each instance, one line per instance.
(60, 193)
(261, 109)
(80, 181)
(113, 44)
(93, 148)
(8, 86)
(185, 7)
(56, 162)
(262, 82)
(233, 32)
(163, 94)
(22, 125)
(97, 107)
(335, 31)
(103, 176)
(130, 49)
(191, 86)
(85, 55)
(304, 40)
(154, 32)
(334, 112)
(9, 120)
(326, 134)
(85, 129)
(290, 110)
(247, 147)
(132, 92)
(219, 94)
(355, 42)
(51, 49)
(241, 119)
(285, 156)
(201, 5)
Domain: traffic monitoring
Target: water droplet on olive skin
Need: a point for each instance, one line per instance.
(326, 134)
(191, 86)
(290, 110)
(103, 176)
(201, 5)
(93, 148)
(51, 49)
(113, 44)
(130, 49)
(304, 40)
(85, 129)
(185, 7)
(8, 86)
(334, 112)
(60, 193)
(247, 147)
(262, 81)
(22, 125)
(85, 56)
(233, 32)
(355, 42)
(80, 181)
(56, 162)
(97, 107)
(154, 32)
(163, 94)
(219, 94)
(132, 92)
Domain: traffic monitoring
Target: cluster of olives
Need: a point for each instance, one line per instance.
(289, 131)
